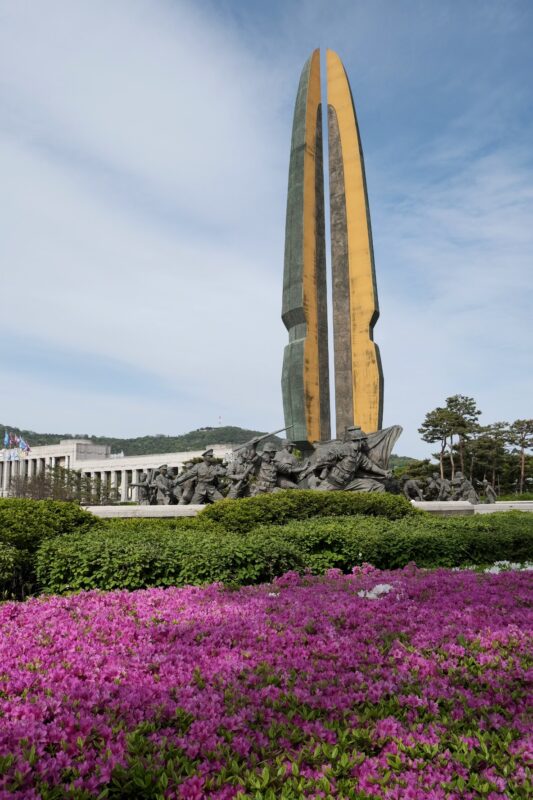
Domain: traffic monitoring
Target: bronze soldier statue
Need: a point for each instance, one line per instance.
(183, 492)
(286, 454)
(462, 489)
(206, 473)
(437, 488)
(433, 487)
(162, 486)
(490, 493)
(350, 466)
(411, 489)
(288, 465)
(445, 490)
(270, 471)
(144, 489)
(245, 463)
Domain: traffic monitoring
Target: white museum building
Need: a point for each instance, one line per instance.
(94, 461)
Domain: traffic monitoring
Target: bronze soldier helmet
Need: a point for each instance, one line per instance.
(269, 447)
(355, 434)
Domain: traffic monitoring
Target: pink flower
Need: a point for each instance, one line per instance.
(393, 693)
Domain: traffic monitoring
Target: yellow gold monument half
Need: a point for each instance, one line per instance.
(358, 373)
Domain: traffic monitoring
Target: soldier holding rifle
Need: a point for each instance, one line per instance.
(206, 473)
(144, 489)
(245, 462)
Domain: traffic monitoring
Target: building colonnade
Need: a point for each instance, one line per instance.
(113, 479)
(94, 461)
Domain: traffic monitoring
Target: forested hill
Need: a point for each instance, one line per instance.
(142, 445)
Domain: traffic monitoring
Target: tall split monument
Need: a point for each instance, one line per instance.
(358, 373)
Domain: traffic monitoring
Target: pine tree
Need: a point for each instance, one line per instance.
(520, 435)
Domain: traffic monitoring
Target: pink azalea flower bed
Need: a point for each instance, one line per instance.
(312, 687)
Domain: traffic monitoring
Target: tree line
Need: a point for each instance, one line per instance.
(499, 451)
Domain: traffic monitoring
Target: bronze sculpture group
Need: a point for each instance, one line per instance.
(358, 462)
(442, 489)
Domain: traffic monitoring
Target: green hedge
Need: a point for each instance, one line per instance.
(24, 524)
(133, 557)
(126, 557)
(242, 516)
(428, 541)
(11, 564)
(160, 525)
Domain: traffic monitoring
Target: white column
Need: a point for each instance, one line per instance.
(114, 480)
(124, 486)
(93, 486)
(135, 479)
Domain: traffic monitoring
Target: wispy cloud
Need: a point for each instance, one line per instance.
(459, 253)
(144, 150)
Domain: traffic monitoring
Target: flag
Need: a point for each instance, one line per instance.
(6, 439)
(24, 445)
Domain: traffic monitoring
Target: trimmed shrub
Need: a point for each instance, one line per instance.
(131, 557)
(24, 524)
(242, 516)
(134, 556)
(428, 541)
(11, 561)
(160, 525)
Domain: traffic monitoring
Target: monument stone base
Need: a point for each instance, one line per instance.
(504, 505)
(143, 512)
(450, 508)
(453, 508)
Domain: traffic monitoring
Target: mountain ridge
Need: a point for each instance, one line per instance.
(199, 439)
(143, 445)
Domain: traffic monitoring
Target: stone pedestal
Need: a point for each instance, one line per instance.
(452, 508)
(502, 505)
(137, 512)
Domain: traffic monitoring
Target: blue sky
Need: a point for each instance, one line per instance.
(144, 150)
